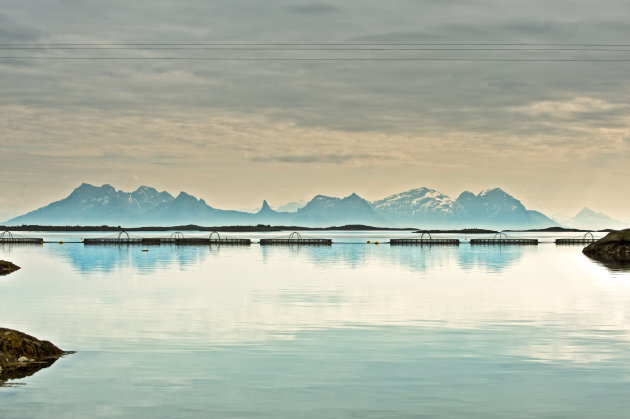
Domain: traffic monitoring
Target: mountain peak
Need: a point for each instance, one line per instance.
(265, 208)
(587, 212)
(466, 195)
(493, 191)
(183, 196)
(146, 189)
(420, 191)
(87, 190)
(89, 186)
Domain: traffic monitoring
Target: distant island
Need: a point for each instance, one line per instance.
(193, 227)
(460, 231)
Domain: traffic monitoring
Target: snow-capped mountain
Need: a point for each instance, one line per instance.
(423, 204)
(429, 208)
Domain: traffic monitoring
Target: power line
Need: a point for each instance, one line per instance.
(232, 48)
(318, 59)
(321, 44)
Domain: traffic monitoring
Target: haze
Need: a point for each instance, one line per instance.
(553, 133)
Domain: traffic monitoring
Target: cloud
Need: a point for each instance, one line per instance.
(317, 158)
(313, 8)
(12, 32)
(575, 106)
(423, 120)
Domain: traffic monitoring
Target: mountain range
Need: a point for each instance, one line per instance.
(420, 208)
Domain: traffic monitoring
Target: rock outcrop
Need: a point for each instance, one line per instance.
(7, 267)
(22, 355)
(613, 250)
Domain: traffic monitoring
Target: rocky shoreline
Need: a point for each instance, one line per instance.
(7, 267)
(613, 250)
(22, 355)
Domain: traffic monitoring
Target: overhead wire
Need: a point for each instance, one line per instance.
(525, 52)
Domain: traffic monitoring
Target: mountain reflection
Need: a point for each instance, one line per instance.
(490, 259)
(109, 258)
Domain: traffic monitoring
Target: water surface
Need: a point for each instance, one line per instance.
(350, 330)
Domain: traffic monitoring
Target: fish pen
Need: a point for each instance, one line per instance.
(6, 237)
(422, 241)
(177, 238)
(588, 238)
(295, 238)
(502, 239)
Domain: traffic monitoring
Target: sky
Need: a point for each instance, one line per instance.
(295, 123)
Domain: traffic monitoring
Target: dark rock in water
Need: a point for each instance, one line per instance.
(7, 267)
(22, 355)
(613, 250)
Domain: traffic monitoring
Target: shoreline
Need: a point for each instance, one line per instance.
(270, 228)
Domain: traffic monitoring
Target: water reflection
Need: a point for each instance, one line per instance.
(109, 258)
(489, 259)
(612, 262)
(7, 375)
(493, 259)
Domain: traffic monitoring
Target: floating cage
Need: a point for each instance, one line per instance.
(588, 238)
(422, 241)
(175, 238)
(503, 239)
(295, 238)
(6, 237)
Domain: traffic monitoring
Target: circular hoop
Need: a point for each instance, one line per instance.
(295, 236)
(121, 234)
(502, 236)
(427, 233)
(177, 235)
(6, 236)
(218, 236)
(589, 234)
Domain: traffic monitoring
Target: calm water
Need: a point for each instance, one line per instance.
(351, 330)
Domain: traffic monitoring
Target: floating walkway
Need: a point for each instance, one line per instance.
(501, 239)
(586, 239)
(176, 238)
(6, 237)
(430, 241)
(295, 239)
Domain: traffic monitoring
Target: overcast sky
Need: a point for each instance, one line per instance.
(553, 133)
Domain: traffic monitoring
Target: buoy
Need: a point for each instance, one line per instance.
(60, 242)
(145, 250)
(368, 242)
(375, 242)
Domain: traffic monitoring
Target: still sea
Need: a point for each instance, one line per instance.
(349, 330)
